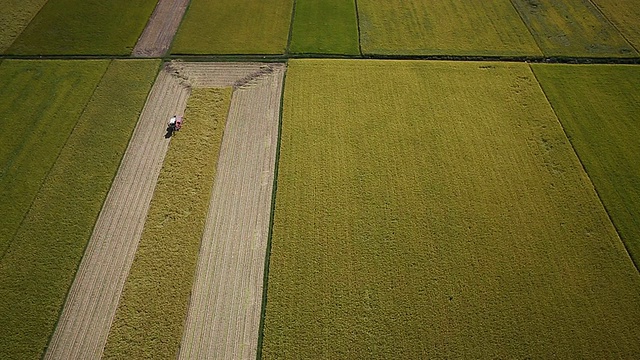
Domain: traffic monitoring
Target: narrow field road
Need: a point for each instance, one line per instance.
(161, 28)
(83, 327)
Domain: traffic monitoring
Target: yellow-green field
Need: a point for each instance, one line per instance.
(572, 28)
(151, 313)
(599, 107)
(234, 27)
(38, 266)
(624, 15)
(437, 210)
(456, 27)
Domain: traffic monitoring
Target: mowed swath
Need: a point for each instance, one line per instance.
(572, 28)
(598, 107)
(624, 15)
(234, 27)
(436, 209)
(455, 27)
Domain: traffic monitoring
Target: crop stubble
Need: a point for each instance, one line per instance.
(161, 28)
(242, 193)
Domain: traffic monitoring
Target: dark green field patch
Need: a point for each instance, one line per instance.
(39, 266)
(234, 27)
(84, 27)
(40, 103)
(572, 28)
(325, 27)
(598, 107)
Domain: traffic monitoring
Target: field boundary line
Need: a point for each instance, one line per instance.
(290, 35)
(527, 26)
(44, 179)
(615, 27)
(265, 279)
(355, 2)
(564, 131)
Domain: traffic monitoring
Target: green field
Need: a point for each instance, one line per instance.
(151, 313)
(234, 27)
(624, 15)
(84, 27)
(598, 107)
(39, 265)
(325, 27)
(41, 103)
(437, 210)
(456, 27)
(14, 17)
(572, 28)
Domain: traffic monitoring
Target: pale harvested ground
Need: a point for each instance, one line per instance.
(161, 28)
(226, 300)
(224, 316)
(83, 327)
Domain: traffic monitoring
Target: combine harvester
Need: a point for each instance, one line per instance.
(174, 124)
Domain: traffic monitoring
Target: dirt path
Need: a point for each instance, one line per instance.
(229, 277)
(226, 300)
(161, 28)
(92, 301)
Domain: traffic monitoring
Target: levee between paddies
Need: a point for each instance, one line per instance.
(437, 210)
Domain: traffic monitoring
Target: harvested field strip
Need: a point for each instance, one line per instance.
(232, 27)
(598, 107)
(624, 15)
(40, 103)
(92, 301)
(325, 27)
(84, 27)
(152, 310)
(572, 28)
(161, 28)
(14, 18)
(458, 27)
(40, 265)
(226, 302)
(437, 210)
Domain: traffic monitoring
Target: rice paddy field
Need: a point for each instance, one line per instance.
(165, 262)
(598, 107)
(325, 27)
(232, 27)
(572, 28)
(438, 211)
(443, 28)
(84, 27)
(40, 257)
(437, 189)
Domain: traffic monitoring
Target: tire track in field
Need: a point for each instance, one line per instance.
(161, 28)
(224, 315)
(233, 248)
(82, 329)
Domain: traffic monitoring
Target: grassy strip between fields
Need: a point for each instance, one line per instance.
(598, 107)
(39, 266)
(325, 27)
(420, 27)
(40, 103)
(14, 18)
(234, 27)
(437, 210)
(572, 28)
(84, 27)
(624, 15)
(151, 313)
